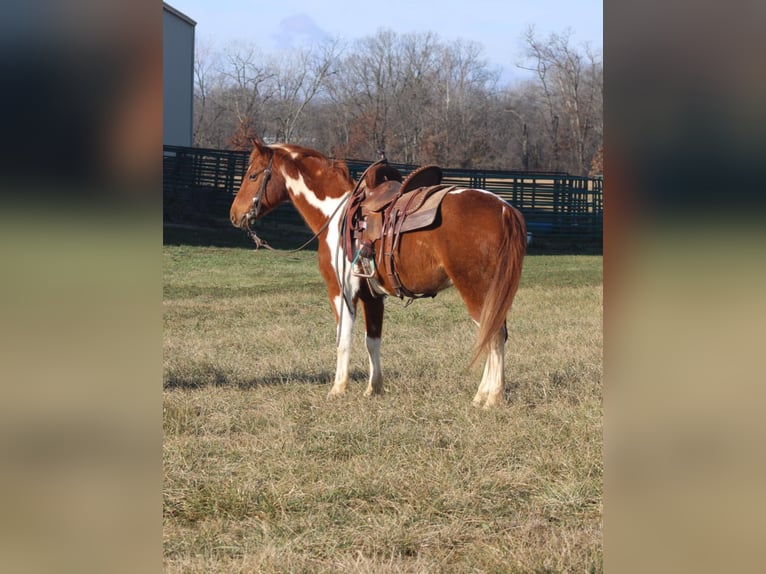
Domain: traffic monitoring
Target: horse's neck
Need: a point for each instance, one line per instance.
(315, 211)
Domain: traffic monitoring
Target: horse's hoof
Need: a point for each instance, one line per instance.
(490, 404)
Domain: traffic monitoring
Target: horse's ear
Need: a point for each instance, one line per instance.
(257, 144)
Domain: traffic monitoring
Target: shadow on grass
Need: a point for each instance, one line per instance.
(199, 376)
(231, 237)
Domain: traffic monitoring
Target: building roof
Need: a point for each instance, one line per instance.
(178, 14)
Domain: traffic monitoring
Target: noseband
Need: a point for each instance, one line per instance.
(255, 208)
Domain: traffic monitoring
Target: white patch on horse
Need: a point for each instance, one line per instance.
(460, 190)
(287, 148)
(327, 207)
(484, 191)
(298, 186)
(348, 282)
(345, 328)
(490, 391)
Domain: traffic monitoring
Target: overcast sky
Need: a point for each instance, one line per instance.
(498, 25)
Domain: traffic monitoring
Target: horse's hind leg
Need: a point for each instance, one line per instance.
(491, 388)
(373, 319)
(490, 391)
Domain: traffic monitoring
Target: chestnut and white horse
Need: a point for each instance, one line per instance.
(477, 244)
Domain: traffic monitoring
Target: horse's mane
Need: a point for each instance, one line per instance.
(340, 166)
(337, 165)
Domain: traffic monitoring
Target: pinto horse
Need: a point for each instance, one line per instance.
(477, 244)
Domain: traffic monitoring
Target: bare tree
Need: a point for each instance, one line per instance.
(465, 85)
(247, 75)
(297, 79)
(209, 114)
(414, 111)
(416, 97)
(569, 85)
(372, 80)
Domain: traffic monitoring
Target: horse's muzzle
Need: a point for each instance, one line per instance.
(238, 222)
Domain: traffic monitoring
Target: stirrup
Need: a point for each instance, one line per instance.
(368, 266)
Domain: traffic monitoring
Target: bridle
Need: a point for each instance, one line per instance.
(255, 209)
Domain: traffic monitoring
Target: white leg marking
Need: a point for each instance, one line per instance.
(493, 385)
(481, 393)
(375, 385)
(347, 282)
(345, 328)
(346, 322)
(490, 392)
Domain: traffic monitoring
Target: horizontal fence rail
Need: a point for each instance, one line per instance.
(200, 184)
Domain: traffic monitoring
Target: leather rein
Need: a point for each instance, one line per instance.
(255, 209)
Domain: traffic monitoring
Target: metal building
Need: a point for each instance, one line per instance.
(177, 77)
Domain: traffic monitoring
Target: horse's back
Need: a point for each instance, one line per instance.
(471, 217)
(464, 240)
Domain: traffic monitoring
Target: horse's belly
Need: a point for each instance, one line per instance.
(419, 263)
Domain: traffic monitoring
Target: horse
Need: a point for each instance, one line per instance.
(476, 244)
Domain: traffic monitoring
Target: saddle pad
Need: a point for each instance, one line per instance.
(424, 215)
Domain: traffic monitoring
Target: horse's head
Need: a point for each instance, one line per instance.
(290, 172)
(262, 188)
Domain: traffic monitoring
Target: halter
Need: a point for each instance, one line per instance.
(255, 208)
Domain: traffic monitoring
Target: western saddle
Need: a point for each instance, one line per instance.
(381, 208)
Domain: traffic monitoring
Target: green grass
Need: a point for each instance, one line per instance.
(264, 474)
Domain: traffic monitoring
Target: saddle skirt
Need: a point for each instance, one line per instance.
(383, 208)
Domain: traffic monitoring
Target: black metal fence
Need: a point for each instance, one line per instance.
(560, 209)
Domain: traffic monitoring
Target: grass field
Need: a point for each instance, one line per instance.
(262, 473)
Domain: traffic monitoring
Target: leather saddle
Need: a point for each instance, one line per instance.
(384, 184)
(384, 207)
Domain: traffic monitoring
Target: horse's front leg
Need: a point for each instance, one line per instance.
(345, 323)
(373, 320)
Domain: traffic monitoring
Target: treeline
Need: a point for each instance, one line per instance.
(419, 99)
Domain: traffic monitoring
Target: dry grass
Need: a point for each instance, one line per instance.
(263, 474)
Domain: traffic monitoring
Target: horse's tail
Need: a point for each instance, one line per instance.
(505, 281)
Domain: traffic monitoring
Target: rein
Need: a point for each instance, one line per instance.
(255, 210)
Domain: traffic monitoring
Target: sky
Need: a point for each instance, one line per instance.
(497, 25)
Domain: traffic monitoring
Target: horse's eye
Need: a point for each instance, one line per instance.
(253, 176)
